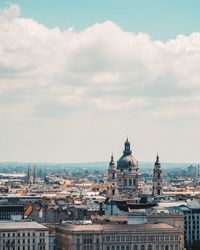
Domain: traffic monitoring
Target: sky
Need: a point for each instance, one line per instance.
(78, 77)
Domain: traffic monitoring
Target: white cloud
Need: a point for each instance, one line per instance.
(103, 68)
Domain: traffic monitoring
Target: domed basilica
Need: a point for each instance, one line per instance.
(124, 179)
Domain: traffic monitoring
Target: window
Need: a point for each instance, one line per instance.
(122, 238)
(142, 247)
(125, 182)
(166, 237)
(112, 238)
(117, 238)
(149, 247)
(135, 247)
(107, 238)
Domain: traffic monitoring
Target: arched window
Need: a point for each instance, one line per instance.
(149, 247)
(127, 247)
(135, 247)
(142, 247)
(166, 247)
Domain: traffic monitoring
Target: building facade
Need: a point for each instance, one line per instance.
(23, 236)
(119, 237)
(7, 211)
(191, 214)
(124, 179)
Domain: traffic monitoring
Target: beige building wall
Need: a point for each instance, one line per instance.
(120, 237)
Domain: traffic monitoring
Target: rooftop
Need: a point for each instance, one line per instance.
(118, 227)
(21, 226)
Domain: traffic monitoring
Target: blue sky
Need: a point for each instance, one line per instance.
(73, 95)
(161, 19)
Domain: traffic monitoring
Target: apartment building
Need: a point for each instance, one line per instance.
(23, 236)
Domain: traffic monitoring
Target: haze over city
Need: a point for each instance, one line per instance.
(75, 80)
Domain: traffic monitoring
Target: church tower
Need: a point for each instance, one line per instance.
(157, 178)
(112, 178)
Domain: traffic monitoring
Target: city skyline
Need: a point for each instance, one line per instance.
(72, 88)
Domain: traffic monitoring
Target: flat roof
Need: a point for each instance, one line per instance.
(22, 225)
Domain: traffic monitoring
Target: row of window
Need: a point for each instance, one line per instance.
(18, 241)
(23, 248)
(143, 247)
(20, 234)
(135, 247)
(143, 238)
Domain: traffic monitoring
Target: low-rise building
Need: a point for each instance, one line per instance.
(119, 237)
(23, 236)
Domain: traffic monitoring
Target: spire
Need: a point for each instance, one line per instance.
(28, 175)
(34, 175)
(157, 160)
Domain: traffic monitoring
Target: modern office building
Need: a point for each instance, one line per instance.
(191, 214)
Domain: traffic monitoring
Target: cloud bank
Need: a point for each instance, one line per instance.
(59, 74)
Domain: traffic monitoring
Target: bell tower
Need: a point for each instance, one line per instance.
(112, 178)
(157, 179)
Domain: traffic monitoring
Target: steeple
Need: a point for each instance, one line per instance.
(28, 175)
(127, 147)
(34, 175)
(157, 178)
(157, 160)
(112, 178)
